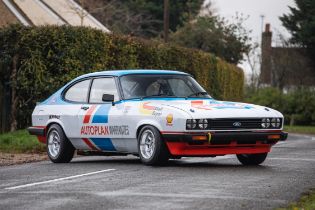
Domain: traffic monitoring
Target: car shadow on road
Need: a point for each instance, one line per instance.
(182, 163)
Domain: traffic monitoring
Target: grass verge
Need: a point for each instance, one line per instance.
(20, 142)
(307, 202)
(300, 129)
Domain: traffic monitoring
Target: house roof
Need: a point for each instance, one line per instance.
(50, 12)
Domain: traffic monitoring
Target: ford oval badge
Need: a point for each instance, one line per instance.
(237, 124)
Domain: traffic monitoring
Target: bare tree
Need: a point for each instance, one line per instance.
(119, 18)
(80, 11)
(253, 58)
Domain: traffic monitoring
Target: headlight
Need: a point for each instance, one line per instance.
(275, 122)
(271, 122)
(278, 123)
(203, 123)
(191, 124)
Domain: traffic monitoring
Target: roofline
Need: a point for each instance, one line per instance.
(16, 13)
(119, 73)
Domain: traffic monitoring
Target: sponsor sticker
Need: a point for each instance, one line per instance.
(105, 130)
(147, 109)
(169, 119)
(54, 117)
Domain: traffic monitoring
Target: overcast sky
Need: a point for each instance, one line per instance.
(271, 9)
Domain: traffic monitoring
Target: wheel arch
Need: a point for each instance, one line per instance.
(57, 123)
(142, 124)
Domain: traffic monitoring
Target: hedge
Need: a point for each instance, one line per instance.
(47, 57)
(297, 105)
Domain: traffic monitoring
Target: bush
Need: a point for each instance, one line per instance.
(45, 58)
(297, 106)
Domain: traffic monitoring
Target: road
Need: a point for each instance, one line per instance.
(189, 183)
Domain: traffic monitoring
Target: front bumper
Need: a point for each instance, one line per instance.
(226, 137)
(222, 143)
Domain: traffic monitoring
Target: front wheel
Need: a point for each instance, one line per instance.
(152, 149)
(59, 148)
(252, 159)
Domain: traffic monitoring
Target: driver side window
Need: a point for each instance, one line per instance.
(102, 86)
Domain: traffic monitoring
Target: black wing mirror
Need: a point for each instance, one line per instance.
(108, 98)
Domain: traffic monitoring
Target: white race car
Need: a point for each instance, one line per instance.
(154, 114)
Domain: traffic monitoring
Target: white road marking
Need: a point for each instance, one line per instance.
(206, 159)
(294, 159)
(224, 157)
(296, 135)
(189, 196)
(56, 180)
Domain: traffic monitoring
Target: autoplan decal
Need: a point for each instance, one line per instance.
(95, 124)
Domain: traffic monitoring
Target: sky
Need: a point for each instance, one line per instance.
(271, 9)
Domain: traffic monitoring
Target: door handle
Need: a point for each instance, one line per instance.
(85, 107)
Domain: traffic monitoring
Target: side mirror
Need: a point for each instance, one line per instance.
(108, 98)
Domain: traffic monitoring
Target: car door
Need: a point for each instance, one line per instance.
(75, 96)
(100, 124)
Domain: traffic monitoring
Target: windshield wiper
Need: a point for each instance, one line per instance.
(197, 94)
(157, 95)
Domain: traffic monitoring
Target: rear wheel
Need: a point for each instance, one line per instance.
(59, 148)
(252, 159)
(151, 147)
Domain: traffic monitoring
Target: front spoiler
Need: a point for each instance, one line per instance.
(221, 143)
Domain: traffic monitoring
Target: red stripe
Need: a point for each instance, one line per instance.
(88, 114)
(146, 106)
(177, 132)
(89, 144)
(196, 103)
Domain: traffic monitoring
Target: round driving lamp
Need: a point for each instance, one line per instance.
(203, 123)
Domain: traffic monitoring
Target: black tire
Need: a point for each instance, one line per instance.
(66, 149)
(252, 159)
(160, 153)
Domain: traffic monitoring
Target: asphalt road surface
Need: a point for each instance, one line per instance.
(189, 183)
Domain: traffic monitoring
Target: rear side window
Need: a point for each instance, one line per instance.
(78, 92)
(102, 86)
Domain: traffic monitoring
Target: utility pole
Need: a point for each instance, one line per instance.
(166, 19)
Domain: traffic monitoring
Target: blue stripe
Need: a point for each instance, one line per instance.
(103, 143)
(165, 99)
(101, 115)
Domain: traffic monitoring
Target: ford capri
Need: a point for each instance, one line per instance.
(154, 114)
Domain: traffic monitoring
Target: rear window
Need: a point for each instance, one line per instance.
(78, 92)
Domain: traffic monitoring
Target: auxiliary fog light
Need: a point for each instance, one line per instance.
(265, 123)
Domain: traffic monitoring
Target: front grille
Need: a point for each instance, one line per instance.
(235, 124)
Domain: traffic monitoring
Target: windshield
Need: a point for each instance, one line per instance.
(143, 86)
